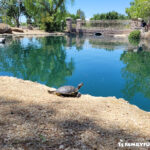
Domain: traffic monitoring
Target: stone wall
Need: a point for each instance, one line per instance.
(133, 24)
(69, 24)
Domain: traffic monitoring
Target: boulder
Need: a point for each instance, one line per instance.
(17, 30)
(4, 28)
(30, 27)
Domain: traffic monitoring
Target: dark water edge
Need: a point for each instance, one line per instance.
(106, 66)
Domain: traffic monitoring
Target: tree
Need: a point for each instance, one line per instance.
(139, 9)
(109, 16)
(47, 13)
(3, 8)
(80, 14)
(12, 9)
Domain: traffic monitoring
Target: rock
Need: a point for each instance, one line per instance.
(2, 40)
(145, 35)
(30, 27)
(17, 30)
(4, 28)
(61, 147)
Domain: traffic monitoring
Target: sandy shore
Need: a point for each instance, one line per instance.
(32, 119)
(34, 32)
(37, 32)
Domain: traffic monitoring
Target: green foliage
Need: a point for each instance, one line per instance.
(11, 10)
(79, 15)
(134, 37)
(73, 16)
(139, 9)
(135, 34)
(134, 42)
(47, 14)
(23, 24)
(109, 16)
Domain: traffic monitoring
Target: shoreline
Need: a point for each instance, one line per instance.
(41, 33)
(34, 34)
(94, 122)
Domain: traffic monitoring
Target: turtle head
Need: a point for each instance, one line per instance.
(80, 85)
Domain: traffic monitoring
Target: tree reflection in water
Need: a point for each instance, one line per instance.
(37, 59)
(136, 73)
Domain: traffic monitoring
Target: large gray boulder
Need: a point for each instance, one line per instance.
(4, 28)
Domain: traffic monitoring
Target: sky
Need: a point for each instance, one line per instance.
(91, 7)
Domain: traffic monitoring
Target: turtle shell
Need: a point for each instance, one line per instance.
(67, 90)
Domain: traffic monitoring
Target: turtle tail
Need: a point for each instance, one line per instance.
(51, 92)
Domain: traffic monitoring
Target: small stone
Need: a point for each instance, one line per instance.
(61, 147)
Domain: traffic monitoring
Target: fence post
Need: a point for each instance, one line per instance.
(69, 24)
(79, 25)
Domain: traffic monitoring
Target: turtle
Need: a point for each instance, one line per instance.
(67, 91)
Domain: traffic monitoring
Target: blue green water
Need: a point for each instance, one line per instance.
(105, 68)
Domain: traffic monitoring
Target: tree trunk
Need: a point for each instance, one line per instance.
(17, 22)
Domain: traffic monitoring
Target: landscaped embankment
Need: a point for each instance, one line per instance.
(7, 30)
(31, 118)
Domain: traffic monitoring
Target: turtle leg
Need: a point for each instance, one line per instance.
(78, 95)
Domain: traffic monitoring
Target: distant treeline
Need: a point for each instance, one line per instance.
(79, 15)
(109, 16)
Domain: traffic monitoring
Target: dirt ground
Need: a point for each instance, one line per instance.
(33, 119)
(36, 32)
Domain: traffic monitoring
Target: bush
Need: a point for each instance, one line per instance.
(134, 42)
(135, 34)
(109, 16)
(134, 37)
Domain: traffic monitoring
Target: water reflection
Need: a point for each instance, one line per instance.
(77, 41)
(107, 66)
(37, 59)
(136, 73)
(109, 43)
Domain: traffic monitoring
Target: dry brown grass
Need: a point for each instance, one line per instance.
(32, 119)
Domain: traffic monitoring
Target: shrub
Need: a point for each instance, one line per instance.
(134, 42)
(135, 34)
(134, 37)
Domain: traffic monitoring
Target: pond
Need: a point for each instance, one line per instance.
(107, 68)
